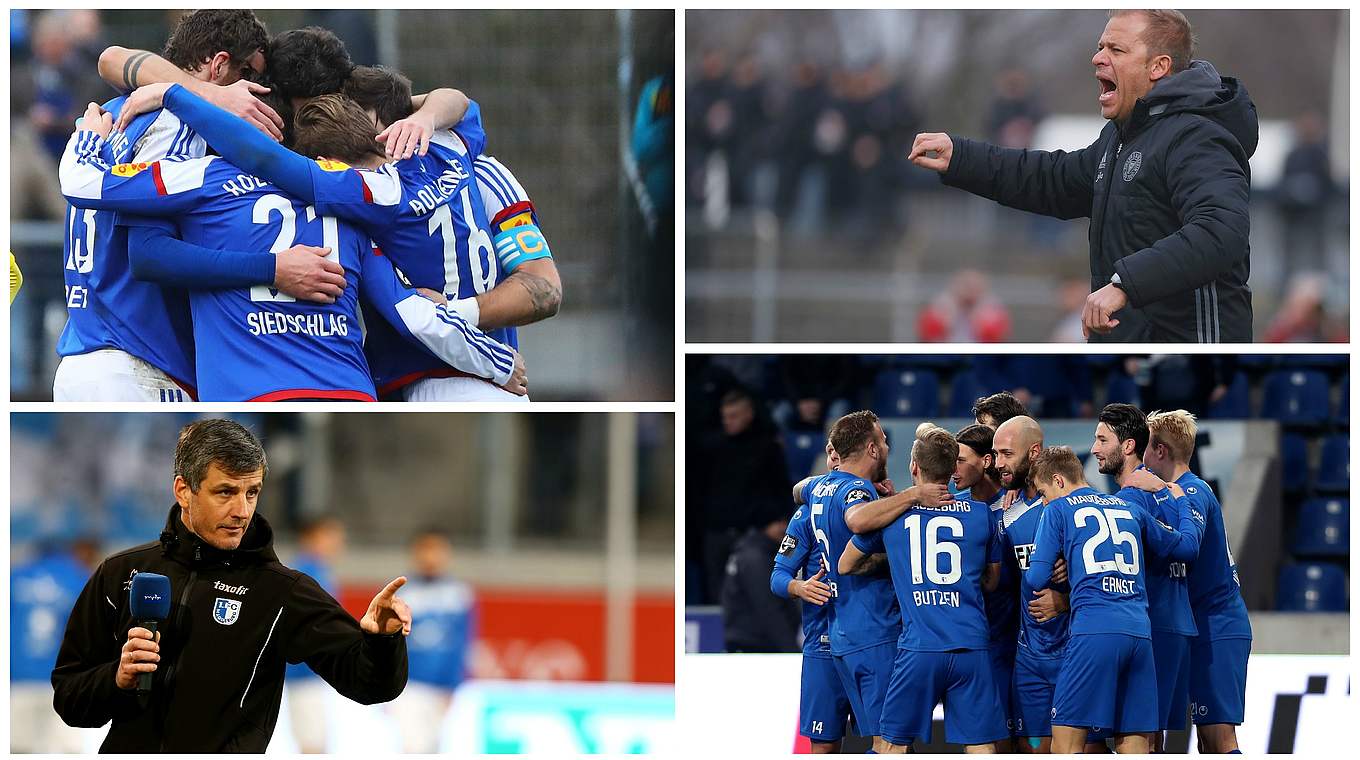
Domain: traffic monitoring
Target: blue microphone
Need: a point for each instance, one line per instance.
(150, 604)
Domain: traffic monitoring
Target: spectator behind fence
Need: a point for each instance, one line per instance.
(1306, 192)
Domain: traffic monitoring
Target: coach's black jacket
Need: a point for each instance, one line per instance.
(221, 671)
(1167, 196)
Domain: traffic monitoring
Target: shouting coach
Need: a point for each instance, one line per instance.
(237, 615)
(1166, 187)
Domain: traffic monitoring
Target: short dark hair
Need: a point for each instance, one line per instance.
(1127, 422)
(1000, 407)
(200, 35)
(336, 127)
(736, 396)
(851, 433)
(383, 89)
(225, 443)
(282, 105)
(977, 437)
(308, 62)
(1168, 33)
(935, 453)
(432, 531)
(1059, 460)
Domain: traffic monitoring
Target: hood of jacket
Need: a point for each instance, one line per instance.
(1200, 90)
(179, 543)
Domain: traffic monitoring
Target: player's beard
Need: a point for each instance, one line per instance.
(1113, 464)
(881, 474)
(1020, 475)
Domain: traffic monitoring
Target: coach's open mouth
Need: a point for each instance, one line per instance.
(1107, 89)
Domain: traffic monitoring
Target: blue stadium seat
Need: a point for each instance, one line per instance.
(1334, 472)
(1121, 389)
(801, 449)
(1324, 528)
(1297, 397)
(1311, 587)
(1343, 412)
(963, 391)
(906, 393)
(1236, 403)
(1294, 462)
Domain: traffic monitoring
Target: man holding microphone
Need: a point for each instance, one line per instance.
(237, 615)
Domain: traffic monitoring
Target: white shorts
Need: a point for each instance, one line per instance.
(307, 708)
(420, 712)
(458, 389)
(35, 727)
(112, 375)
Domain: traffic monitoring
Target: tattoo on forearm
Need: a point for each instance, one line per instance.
(543, 295)
(131, 67)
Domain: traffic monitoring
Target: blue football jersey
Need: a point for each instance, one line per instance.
(799, 550)
(1002, 604)
(1215, 590)
(937, 556)
(1047, 639)
(439, 645)
(426, 214)
(1106, 541)
(257, 344)
(429, 215)
(42, 593)
(106, 307)
(1167, 588)
(864, 609)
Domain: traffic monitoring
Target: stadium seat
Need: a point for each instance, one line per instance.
(1343, 411)
(1311, 587)
(1122, 389)
(1294, 463)
(1324, 528)
(1299, 397)
(963, 391)
(1334, 472)
(1236, 403)
(801, 449)
(906, 393)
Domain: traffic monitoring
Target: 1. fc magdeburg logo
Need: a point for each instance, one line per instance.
(226, 611)
(1132, 165)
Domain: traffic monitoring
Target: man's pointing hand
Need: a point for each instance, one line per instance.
(387, 613)
(932, 150)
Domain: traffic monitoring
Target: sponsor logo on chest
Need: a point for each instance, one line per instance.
(220, 586)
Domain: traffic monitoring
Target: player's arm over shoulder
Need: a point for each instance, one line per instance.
(533, 290)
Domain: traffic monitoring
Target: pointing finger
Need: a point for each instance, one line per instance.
(390, 590)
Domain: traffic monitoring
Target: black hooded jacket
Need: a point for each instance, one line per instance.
(235, 618)
(1167, 195)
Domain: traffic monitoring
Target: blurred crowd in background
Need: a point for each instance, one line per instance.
(798, 127)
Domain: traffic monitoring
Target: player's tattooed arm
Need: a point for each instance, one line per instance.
(991, 576)
(798, 489)
(855, 561)
(531, 293)
(127, 69)
(875, 515)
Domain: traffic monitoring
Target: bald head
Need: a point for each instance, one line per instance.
(1017, 441)
(1020, 432)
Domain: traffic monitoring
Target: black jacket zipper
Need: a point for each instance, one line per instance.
(1105, 202)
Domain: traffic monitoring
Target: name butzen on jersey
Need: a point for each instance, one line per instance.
(1105, 541)
(800, 550)
(1167, 582)
(1215, 590)
(937, 556)
(1047, 639)
(106, 307)
(429, 215)
(864, 610)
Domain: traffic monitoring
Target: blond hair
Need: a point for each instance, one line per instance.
(935, 452)
(1057, 460)
(1175, 430)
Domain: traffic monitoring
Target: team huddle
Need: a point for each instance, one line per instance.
(325, 235)
(1045, 615)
